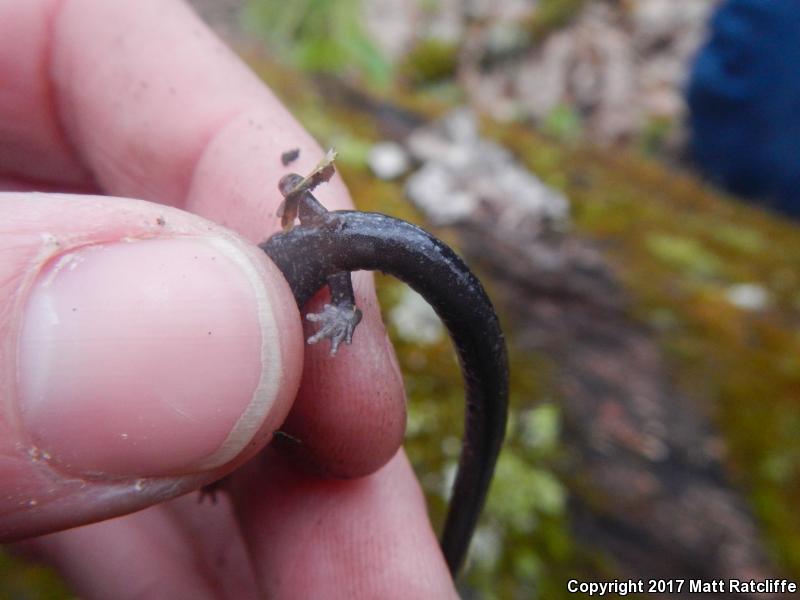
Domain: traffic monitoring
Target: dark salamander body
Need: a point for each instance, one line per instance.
(327, 246)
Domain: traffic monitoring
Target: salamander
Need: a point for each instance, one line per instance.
(327, 246)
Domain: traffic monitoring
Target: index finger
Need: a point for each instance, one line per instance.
(142, 99)
(134, 96)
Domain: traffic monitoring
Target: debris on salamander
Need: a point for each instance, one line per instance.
(290, 156)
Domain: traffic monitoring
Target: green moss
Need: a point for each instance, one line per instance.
(21, 580)
(655, 135)
(318, 36)
(739, 238)
(683, 253)
(563, 123)
(430, 61)
(552, 15)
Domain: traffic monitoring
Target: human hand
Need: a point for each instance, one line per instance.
(149, 351)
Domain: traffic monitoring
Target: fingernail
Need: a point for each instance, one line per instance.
(147, 357)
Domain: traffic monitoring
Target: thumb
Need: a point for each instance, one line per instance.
(145, 351)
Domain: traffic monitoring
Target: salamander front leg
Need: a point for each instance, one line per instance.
(338, 320)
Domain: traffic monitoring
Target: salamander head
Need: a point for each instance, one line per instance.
(288, 183)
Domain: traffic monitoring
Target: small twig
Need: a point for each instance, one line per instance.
(286, 436)
(322, 173)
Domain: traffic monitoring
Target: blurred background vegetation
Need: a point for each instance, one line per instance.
(681, 250)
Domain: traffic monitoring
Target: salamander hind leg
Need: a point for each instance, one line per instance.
(338, 320)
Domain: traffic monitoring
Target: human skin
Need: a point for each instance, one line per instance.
(149, 347)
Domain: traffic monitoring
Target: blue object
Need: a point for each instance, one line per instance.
(744, 101)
